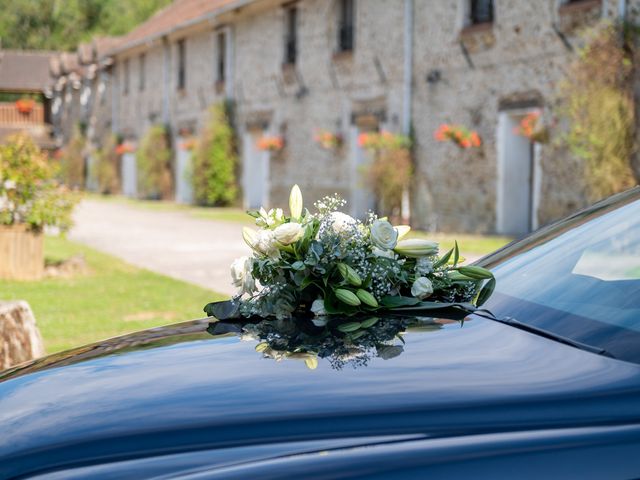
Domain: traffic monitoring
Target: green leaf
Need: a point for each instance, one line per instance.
(456, 253)
(253, 213)
(299, 265)
(486, 292)
(443, 260)
(349, 327)
(224, 310)
(392, 301)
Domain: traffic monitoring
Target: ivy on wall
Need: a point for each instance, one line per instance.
(215, 160)
(155, 180)
(598, 107)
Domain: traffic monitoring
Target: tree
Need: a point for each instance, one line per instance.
(154, 164)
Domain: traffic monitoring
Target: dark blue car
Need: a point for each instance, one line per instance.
(545, 386)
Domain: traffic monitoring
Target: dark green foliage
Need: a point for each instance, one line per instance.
(62, 24)
(215, 159)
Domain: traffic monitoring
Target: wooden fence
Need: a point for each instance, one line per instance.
(21, 253)
(9, 114)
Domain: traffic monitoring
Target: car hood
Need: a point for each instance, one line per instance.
(179, 388)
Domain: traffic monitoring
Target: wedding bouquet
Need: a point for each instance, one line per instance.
(329, 263)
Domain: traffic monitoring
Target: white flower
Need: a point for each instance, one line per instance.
(422, 288)
(383, 253)
(241, 275)
(402, 231)
(270, 219)
(383, 234)
(317, 307)
(288, 233)
(266, 244)
(424, 266)
(9, 184)
(341, 222)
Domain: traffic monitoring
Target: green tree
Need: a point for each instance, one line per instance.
(215, 159)
(62, 24)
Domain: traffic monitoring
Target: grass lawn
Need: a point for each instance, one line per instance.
(112, 298)
(469, 244)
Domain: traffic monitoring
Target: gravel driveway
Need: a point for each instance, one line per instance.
(168, 242)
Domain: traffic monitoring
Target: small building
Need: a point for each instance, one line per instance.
(25, 95)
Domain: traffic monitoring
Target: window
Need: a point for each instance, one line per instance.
(221, 52)
(182, 80)
(481, 11)
(125, 80)
(141, 73)
(346, 25)
(291, 35)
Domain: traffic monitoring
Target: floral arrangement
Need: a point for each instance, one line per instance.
(328, 263)
(461, 136)
(383, 140)
(328, 140)
(531, 127)
(25, 105)
(271, 143)
(125, 147)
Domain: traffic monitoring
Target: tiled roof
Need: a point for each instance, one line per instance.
(179, 13)
(25, 70)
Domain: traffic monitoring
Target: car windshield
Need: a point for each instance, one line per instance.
(579, 278)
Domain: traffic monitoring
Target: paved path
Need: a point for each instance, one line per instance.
(168, 242)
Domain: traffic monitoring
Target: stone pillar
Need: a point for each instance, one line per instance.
(20, 338)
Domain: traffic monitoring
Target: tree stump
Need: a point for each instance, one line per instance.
(20, 338)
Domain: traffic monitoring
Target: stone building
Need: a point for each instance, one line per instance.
(351, 66)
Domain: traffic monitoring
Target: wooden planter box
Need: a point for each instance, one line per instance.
(21, 253)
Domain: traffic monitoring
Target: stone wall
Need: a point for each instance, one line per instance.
(20, 338)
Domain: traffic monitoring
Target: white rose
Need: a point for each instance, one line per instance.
(317, 307)
(288, 233)
(422, 288)
(383, 234)
(241, 275)
(383, 253)
(266, 243)
(341, 222)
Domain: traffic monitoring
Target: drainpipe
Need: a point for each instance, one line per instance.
(115, 98)
(405, 208)
(166, 87)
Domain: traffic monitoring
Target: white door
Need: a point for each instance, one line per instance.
(362, 198)
(256, 172)
(515, 196)
(183, 174)
(129, 175)
(92, 174)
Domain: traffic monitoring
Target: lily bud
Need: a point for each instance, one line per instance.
(416, 247)
(295, 203)
(366, 298)
(249, 236)
(349, 274)
(347, 296)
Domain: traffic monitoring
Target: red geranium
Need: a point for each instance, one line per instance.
(461, 136)
(271, 143)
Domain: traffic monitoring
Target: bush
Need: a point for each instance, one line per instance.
(72, 160)
(107, 163)
(214, 160)
(599, 110)
(154, 164)
(29, 193)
